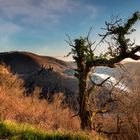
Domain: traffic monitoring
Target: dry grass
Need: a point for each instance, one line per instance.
(57, 117)
(37, 112)
(52, 116)
(15, 106)
(129, 112)
(126, 115)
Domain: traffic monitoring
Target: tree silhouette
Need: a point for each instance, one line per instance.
(119, 48)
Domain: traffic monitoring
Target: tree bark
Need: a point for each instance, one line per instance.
(84, 112)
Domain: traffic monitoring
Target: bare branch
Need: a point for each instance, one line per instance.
(68, 54)
(135, 57)
(103, 81)
(112, 61)
(115, 84)
(122, 67)
(70, 41)
(89, 32)
(100, 83)
(135, 49)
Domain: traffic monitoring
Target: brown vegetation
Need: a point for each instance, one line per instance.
(123, 121)
(129, 113)
(14, 105)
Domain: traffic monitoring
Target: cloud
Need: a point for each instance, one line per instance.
(37, 11)
(24, 23)
(7, 30)
(135, 35)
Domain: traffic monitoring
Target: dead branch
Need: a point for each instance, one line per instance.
(115, 84)
(69, 40)
(89, 33)
(100, 84)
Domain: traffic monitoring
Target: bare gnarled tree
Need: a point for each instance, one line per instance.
(120, 47)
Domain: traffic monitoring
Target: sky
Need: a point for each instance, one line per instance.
(40, 26)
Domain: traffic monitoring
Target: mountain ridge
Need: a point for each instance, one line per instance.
(27, 62)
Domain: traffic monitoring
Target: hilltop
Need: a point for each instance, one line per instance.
(27, 62)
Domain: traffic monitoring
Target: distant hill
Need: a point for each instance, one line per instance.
(132, 68)
(50, 80)
(132, 74)
(27, 62)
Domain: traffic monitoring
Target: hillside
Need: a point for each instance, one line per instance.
(133, 69)
(56, 113)
(26, 62)
(28, 65)
(131, 73)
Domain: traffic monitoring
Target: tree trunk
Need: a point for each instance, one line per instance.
(86, 117)
(84, 112)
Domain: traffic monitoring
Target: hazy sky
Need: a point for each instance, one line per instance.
(40, 25)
